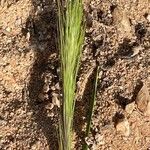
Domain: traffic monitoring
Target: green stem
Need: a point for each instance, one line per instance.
(91, 108)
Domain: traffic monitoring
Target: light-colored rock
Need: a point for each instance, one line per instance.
(8, 29)
(57, 86)
(89, 141)
(3, 122)
(46, 88)
(143, 99)
(147, 112)
(125, 22)
(99, 139)
(28, 36)
(55, 101)
(148, 18)
(53, 88)
(2, 2)
(121, 20)
(136, 50)
(18, 22)
(36, 145)
(130, 107)
(123, 127)
(43, 96)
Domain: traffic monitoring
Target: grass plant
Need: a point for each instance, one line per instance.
(71, 37)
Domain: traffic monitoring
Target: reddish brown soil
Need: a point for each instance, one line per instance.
(117, 39)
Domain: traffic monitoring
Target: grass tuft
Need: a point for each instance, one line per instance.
(71, 36)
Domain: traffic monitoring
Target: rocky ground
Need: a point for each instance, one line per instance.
(117, 39)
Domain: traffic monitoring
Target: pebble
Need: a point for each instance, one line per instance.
(8, 29)
(3, 122)
(148, 18)
(18, 22)
(123, 127)
(130, 107)
(147, 112)
(43, 96)
(57, 86)
(143, 99)
(2, 2)
(136, 50)
(89, 141)
(36, 145)
(89, 20)
(147, 139)
(51, 115)
(28, 36)
(93, 147)
(9, 41)
(122, 21)
(53, 88)
(99, 139)
(46, 88)
(47, 78)
(55, 101)
(51, 106)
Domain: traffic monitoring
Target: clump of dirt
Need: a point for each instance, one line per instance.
(117, 39)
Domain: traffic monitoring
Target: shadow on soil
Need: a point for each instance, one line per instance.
(41, 25)
(42, 28)
(82, 109)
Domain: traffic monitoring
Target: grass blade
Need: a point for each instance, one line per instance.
(91, 108)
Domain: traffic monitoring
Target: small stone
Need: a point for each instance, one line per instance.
(57, 86)
(148, 18)
(147, 112)
(9, 41)
(143, 99)
(89, 21)
(36, 145)
(125, 22)
(43, 96)
(18, 22)
(46, 88)
(47, 78)
(130, 107)
(53, 88)
(93, 147)
(11, 114)
(147, 139)
(55, 101)
(99, 139)
(51, 106)
(8, 29)
(2, 2)
(51, 115)
(1, 95)
(121, 20)
(123, 127)
(89, 141)
(3, 122)
(136, 50)
(28, 36)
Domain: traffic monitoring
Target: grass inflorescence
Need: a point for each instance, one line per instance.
(71, 36)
